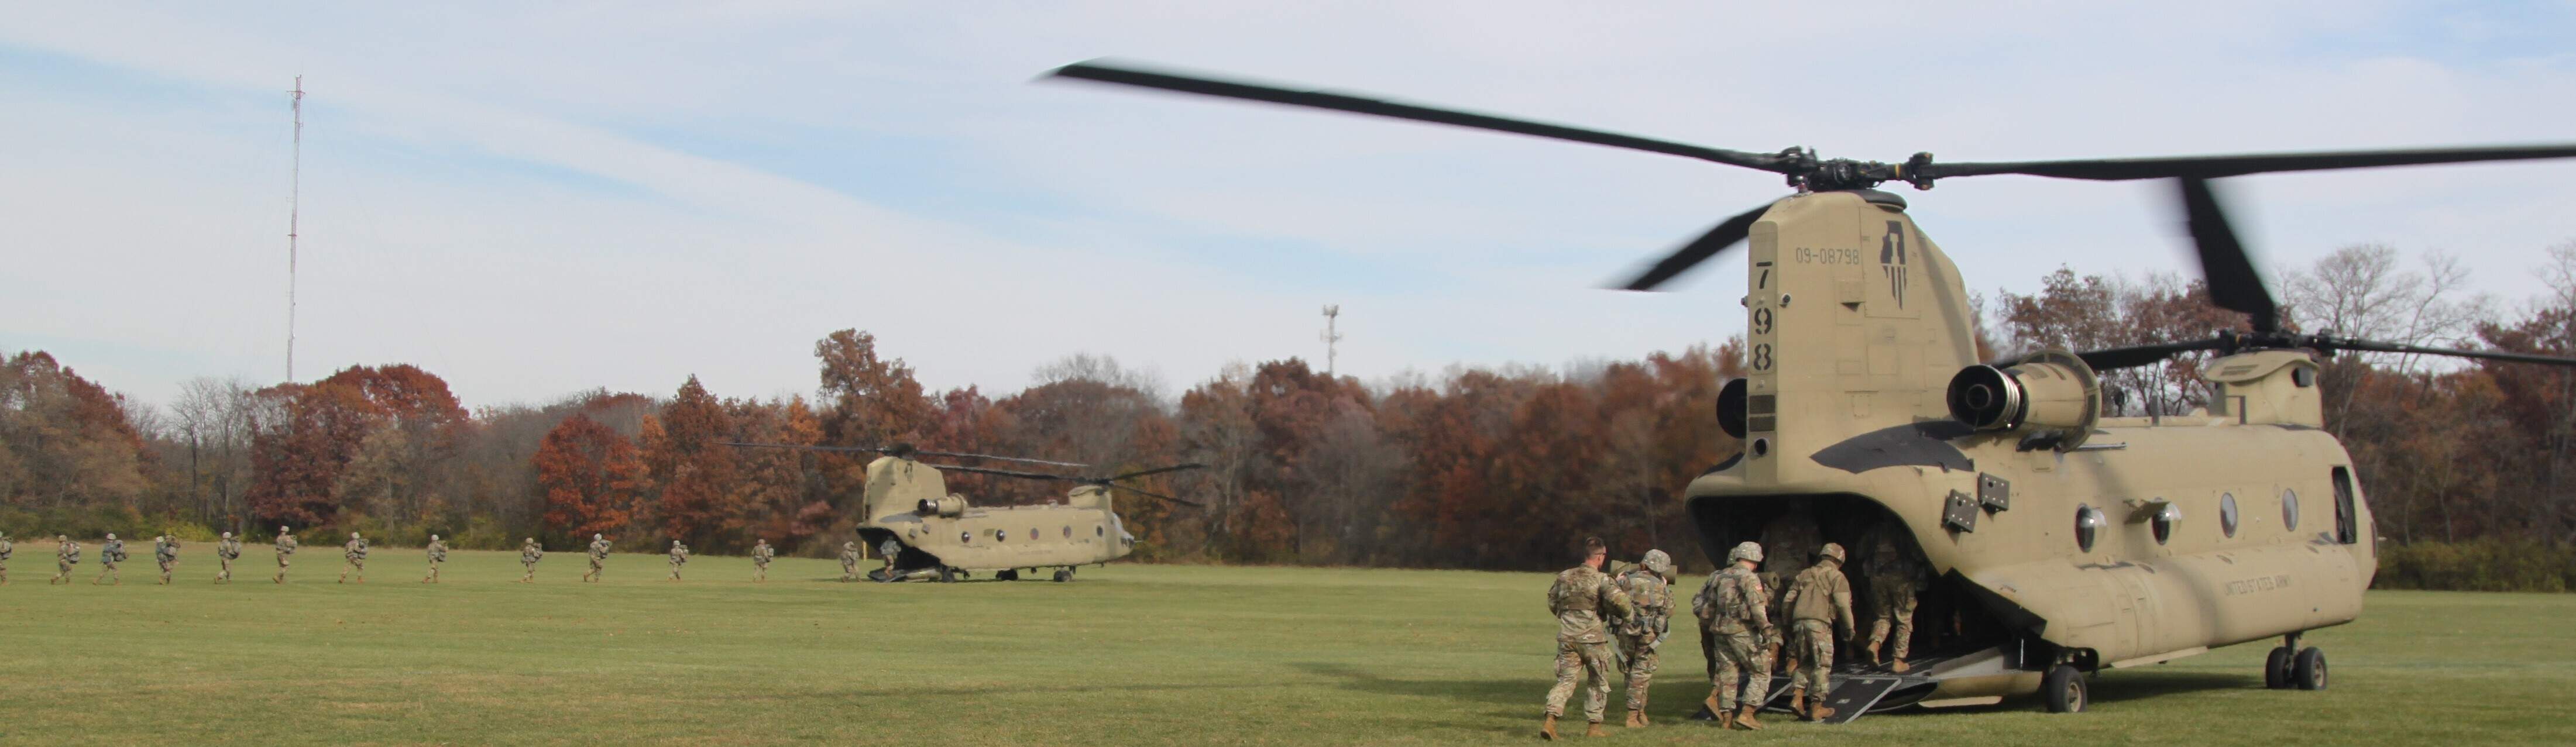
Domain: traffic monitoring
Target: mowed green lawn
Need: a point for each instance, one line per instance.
(1128, 654)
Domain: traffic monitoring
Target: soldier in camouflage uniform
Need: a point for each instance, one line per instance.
(227, 551)
(529, 554)
(1584, 600)
(1788, 542)
(1895, 575)
(437, 555)
(355, 551)
(6, 549)
(679, 557)
(761, 554)
(849, 562)
(598, 558)
(285, 546)
(1819, 606)
(66, 555)
(1648, 585)
(165, 550)
(1733, 608)
(109, 555)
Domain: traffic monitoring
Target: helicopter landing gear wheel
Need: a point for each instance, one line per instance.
(1063, 574)
(2276, 668)
(2064, 689)
(947, 575)
(2309, 670)
(1009, 575)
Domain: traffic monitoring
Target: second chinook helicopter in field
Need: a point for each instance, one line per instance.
(908, 517)
(2062, 542)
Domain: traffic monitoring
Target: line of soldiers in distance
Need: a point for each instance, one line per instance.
(1745, 621)
(165, 551)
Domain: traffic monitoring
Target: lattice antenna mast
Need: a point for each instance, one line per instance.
(1332, 338)
(294, 195)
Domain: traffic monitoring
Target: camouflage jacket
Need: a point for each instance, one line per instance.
(849, 553)
(1888, 562)
(599, 549)
(1821, 593)
(679, 554)
(1733, 601)
(1582, 600)
(530, 554)
(112, 552)
(285, 545)
(68, 552)
(1653, 598)
(6, 548)
(356, 549)
(229, 549)
(166, 551)
(438, 551)
(762, 554)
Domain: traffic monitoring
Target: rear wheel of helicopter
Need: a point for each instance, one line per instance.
(1063, 574)
(1007, 575)
(947, 575)
(2276, 668)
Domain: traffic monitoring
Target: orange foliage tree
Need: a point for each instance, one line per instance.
(591, 477)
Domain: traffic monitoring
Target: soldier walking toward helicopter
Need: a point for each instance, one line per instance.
(227, 550)
(1819, 604)
(1641, 637)
(1584, 601)
(1733, 607)
(1895, 575)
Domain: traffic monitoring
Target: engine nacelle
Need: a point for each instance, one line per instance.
(950, 506)
(2050, 395)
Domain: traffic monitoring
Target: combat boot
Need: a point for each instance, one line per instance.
(1817, 711)
(1547, 728)
(1636, 718)
(1745, 720)
(1798, 702)
(1873, 652)
(1594, 730)
(1898, 666)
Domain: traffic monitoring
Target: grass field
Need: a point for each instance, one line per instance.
(1127, 654)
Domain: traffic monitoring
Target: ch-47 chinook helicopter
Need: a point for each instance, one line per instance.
(925, 532)
(2063, 541)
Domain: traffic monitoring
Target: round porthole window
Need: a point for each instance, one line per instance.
(1068, 531)
(2290, 509)
(1033, 534)
(965, 537)
(2088, 527)
(2227, 513)
(2164, 522)
(1095, 531)
(999, 535)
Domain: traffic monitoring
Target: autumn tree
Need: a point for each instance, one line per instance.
(592, 478)
(695, 472)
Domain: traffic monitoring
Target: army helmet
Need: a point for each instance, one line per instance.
(1830, 550)
(1658, 562)
(1746, 551)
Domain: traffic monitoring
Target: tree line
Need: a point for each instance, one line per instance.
(1472, 468)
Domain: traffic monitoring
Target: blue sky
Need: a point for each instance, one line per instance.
(532, 201)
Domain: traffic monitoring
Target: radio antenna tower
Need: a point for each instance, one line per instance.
(294, 193)
(1332, 338)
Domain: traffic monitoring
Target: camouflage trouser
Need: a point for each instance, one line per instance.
(1574, 661)
(433, 572)
(675, 571)
(1742, 658)
(1891, 604)
(1813, 642)
(531, 575)
(359, 566)
(760, 570)
(1708, 649)
(106, 569)
(849, 570)
(62, 570)
(225, 571)
(595, 569)
(1642, 660)
(281, 568)
(166, 566)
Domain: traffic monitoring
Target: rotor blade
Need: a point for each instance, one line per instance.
(802, 447)
(1154, 471)
(1100, 72)
(1023, 460)
(2339, 343)
(1002, 472)
(2233, 283)
(2212, 167)
(2141, 355)
(1152, 494)
(1728, 233)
